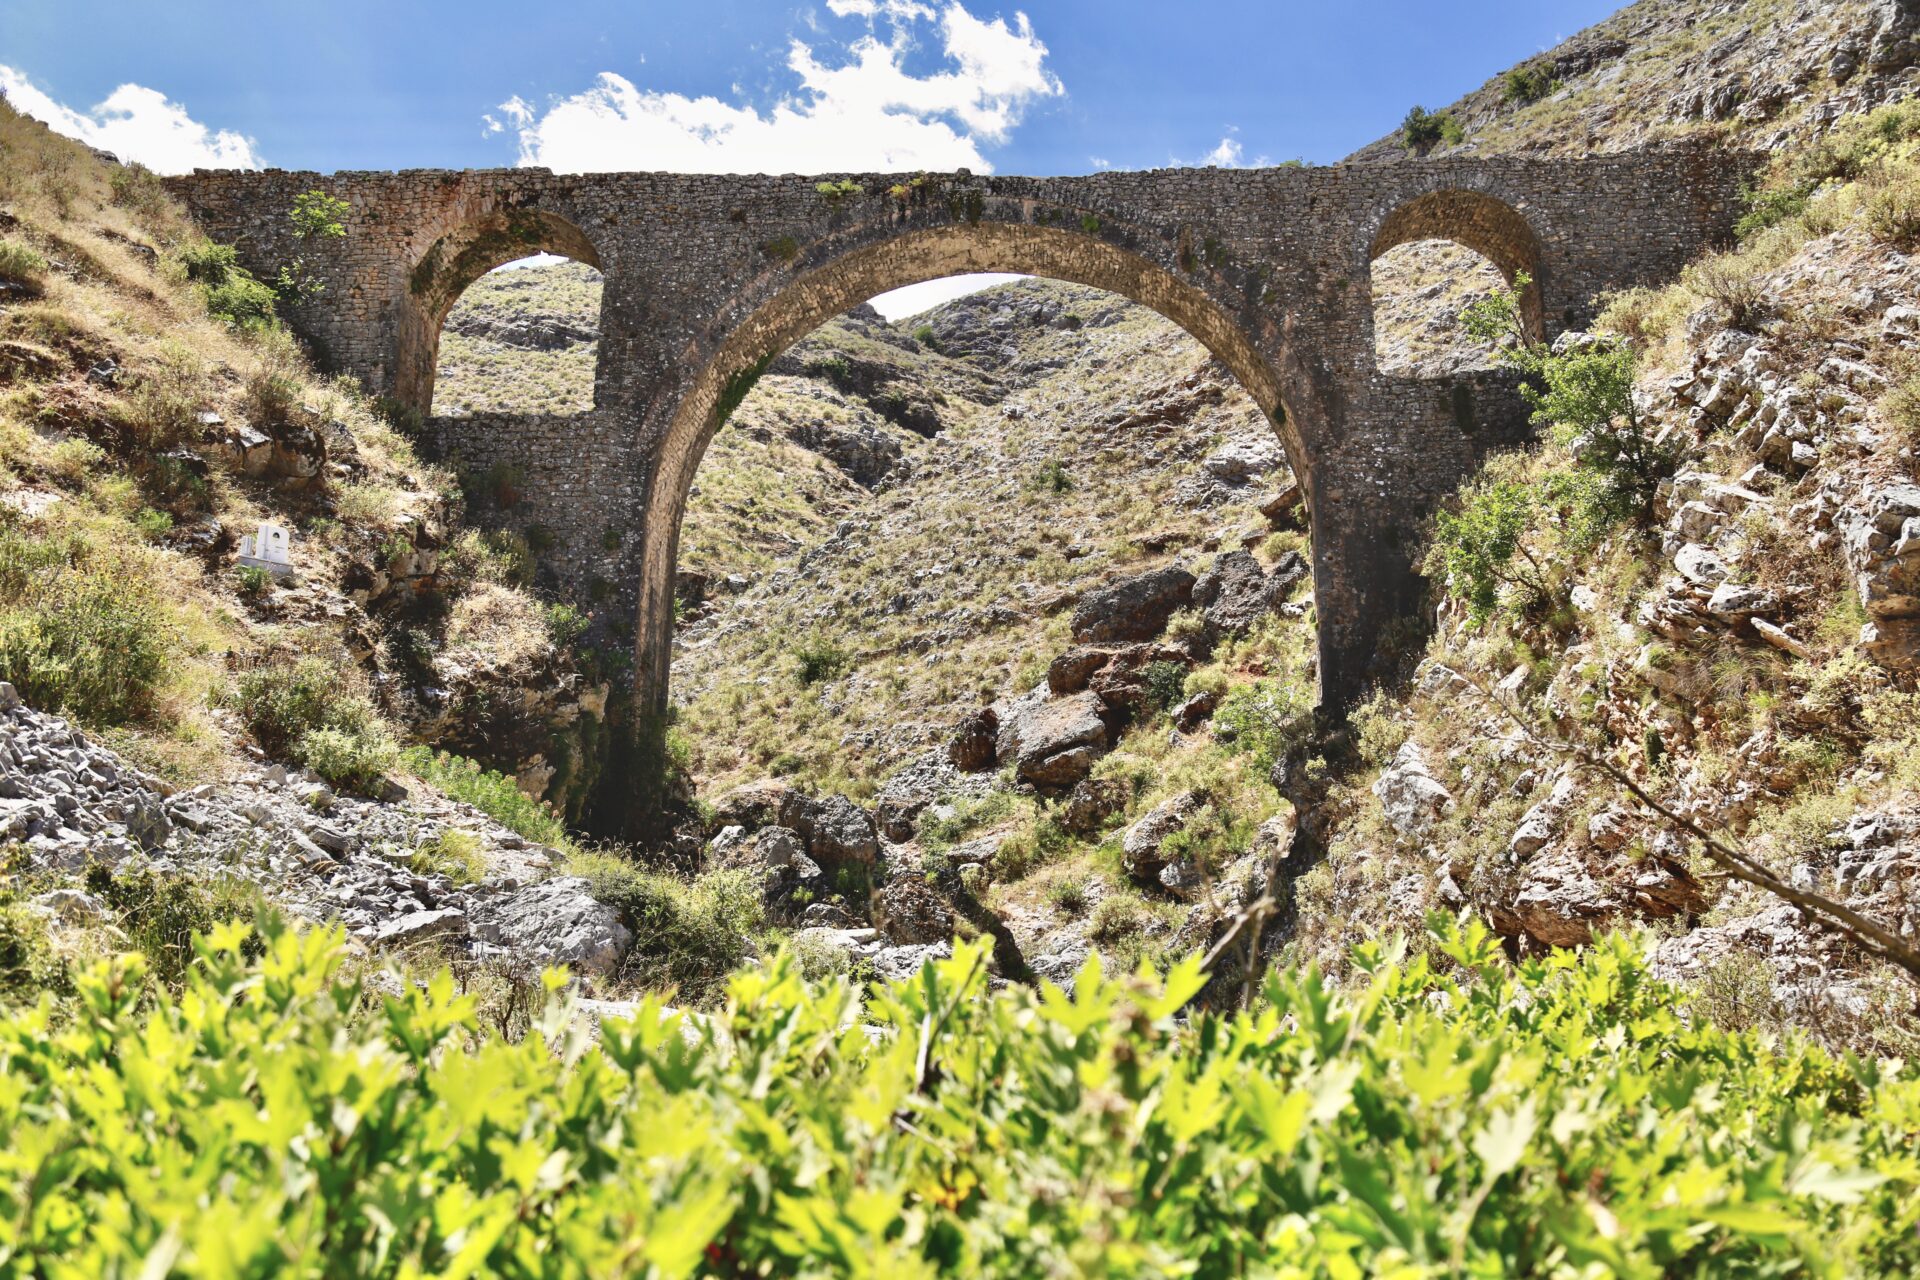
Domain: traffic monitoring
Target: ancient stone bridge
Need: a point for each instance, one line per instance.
(709, 277)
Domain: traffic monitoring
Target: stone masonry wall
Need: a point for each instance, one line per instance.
(708, 277)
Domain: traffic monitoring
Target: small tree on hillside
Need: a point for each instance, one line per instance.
(315, 216)
(1583, 389)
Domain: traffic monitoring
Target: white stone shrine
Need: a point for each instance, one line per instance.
(270, 549)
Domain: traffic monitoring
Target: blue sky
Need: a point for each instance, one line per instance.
(1054, 86)
(352, 84)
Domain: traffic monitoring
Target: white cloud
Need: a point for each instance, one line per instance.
(1100, 162)
(858, 107)
(897, 10)
(1224, 156)
(137, 124)
(897, 304)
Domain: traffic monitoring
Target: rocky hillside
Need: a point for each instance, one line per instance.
(1755, 73)
(181, 722)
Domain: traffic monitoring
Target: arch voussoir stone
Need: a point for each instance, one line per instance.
(707, 277)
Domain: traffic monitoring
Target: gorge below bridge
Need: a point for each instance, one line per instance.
(707, 278)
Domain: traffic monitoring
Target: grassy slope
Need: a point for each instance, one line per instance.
(116, 387)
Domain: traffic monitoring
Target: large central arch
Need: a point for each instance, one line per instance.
(817, 295)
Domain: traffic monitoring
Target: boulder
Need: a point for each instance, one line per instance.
(1558, 903)
(751, 805)
(831, 915)
(556, 921)
(837, 832)
(1541, 823)
(1237, 593)
(1123, 685)
(416, 927)
(1240, 461)
(909, 911)
(1094, 800)
(1285, 505)
(972, 746)
(299, 454)
(778, 847)
(1135, 608)
(1054, 743)
(1070, 671)
(1195, 711)
(1410, 796)
(1141, 853)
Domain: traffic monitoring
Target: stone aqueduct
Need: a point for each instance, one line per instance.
(709, 277)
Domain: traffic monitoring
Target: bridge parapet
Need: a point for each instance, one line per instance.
(710, 276)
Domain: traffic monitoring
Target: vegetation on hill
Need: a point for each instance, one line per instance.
(1757, 73)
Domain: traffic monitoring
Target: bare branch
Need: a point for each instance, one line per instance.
(1862, 931)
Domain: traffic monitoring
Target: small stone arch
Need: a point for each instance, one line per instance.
(839, 283)
(1485, 224)
(454, 261)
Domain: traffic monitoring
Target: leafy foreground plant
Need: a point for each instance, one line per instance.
(1561, 1118)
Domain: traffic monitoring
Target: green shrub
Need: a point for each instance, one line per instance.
(151, 524)
(1480, 547)
(29, 965)
(22, 264)
(1119, 916)
(820, 657)
(1052, 477)
(565, 624)
(1893, 211)
(453, 853)
(162, 912)
(1166, 683)
(1068, 894)
(687, 935)
(252, 581)
(1422, 129)
(1901, 408)
(1585, 394)
(494, 794)
(358, 759)
(305, 712)
(832, 369)
(924, 336)
(1770, 206)
(1562, 1117)
(136, 187)
(229, 289)
(79, 633)
(1528, 83)
(1265, 719)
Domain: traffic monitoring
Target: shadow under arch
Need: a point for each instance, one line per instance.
(1485, 224)
(842, 282)
(452, 263)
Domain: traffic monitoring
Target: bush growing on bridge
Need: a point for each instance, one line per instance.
(1452, 1116)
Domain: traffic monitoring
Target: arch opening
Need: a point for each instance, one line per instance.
(803, 304)
(522, 339)
(1432, 257)
(454, 263)
(882, 531)
(1421, 290)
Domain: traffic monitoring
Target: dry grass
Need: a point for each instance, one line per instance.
(496, 624)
